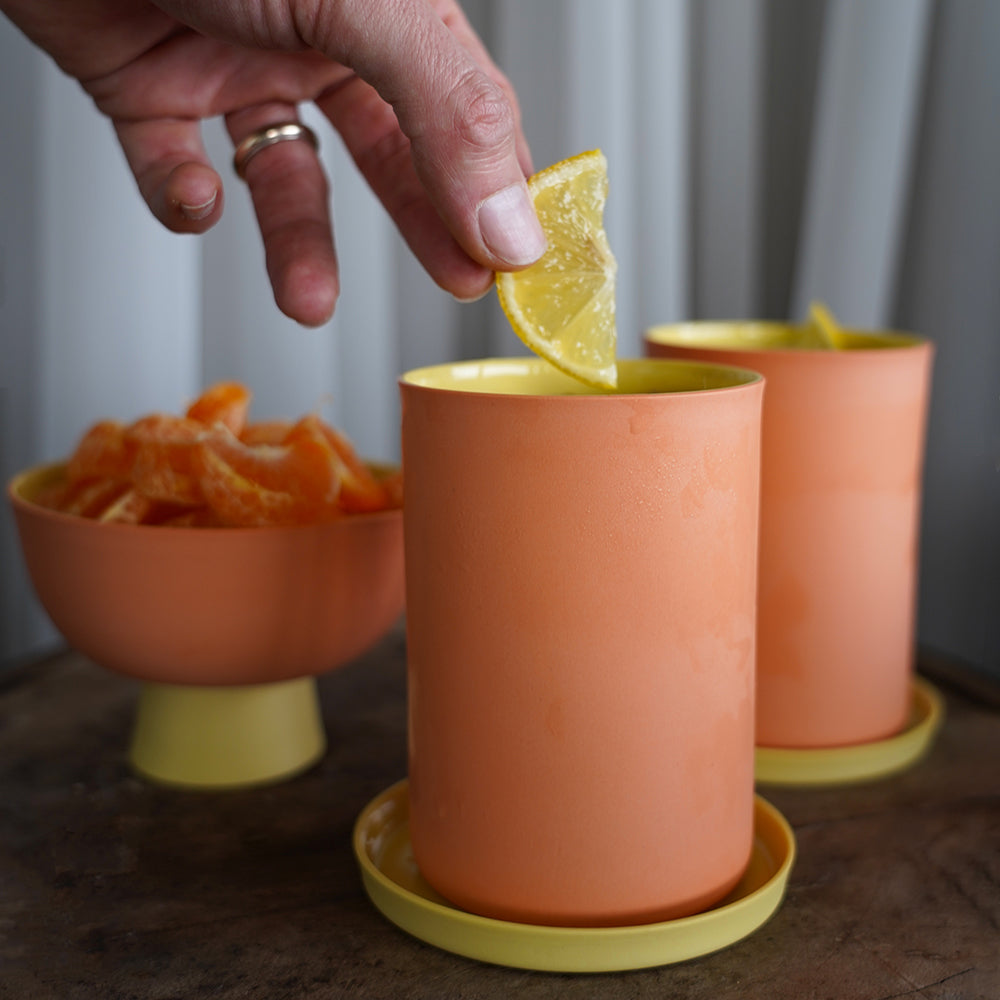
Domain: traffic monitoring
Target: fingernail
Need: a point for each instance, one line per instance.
(467, 299)
(510, 228)
(196, 212)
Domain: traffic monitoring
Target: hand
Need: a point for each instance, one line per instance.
(431, 122)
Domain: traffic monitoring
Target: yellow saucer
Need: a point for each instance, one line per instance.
(396, 887)
(863, 762)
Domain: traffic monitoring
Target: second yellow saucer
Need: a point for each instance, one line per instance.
(862, 762)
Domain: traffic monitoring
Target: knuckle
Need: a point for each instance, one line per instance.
(483, 116)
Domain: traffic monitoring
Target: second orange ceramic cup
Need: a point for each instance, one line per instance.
(581, 584)
(842, 453)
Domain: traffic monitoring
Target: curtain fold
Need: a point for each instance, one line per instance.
(872, 72)
(762, 153)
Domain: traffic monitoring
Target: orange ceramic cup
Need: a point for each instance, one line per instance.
(842, 452)
(581, 578)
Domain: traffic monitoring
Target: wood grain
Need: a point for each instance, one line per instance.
(116, 889)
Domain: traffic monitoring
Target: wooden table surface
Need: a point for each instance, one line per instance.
(114, 888)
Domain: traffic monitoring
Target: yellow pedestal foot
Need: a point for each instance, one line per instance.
(227, 737)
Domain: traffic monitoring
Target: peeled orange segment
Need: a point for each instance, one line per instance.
(130, 508)
(163, 449)
(100, 454)
(360, 491)
(239, 502)
(224, 402)
(253, 485)
(134, 508)
(563, 306)
(89, 498)
(193, 517)
(212, 468)
(266, 432)
(392, 483)
(300, 464)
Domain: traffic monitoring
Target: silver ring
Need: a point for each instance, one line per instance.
(262, 138)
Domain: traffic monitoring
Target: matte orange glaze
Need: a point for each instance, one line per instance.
(842, 456)
(581, 576)
(212, 606)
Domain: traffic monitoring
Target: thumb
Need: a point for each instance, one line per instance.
(458, 113)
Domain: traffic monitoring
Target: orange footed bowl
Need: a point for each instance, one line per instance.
(227, 628)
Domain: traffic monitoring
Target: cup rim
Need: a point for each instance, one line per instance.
(473, 370)
(862, 340)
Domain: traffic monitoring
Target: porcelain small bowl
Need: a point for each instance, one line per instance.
(227, 628)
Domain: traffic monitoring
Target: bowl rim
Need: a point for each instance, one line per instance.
(44, 470)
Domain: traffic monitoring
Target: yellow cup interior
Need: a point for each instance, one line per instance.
(536, 377)
(768, 336)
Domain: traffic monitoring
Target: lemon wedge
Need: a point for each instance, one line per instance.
(563, 305)
(822, 323)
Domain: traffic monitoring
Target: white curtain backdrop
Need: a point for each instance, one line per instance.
(762, 153)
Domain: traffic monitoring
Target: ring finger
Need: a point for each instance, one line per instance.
(291, 200)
